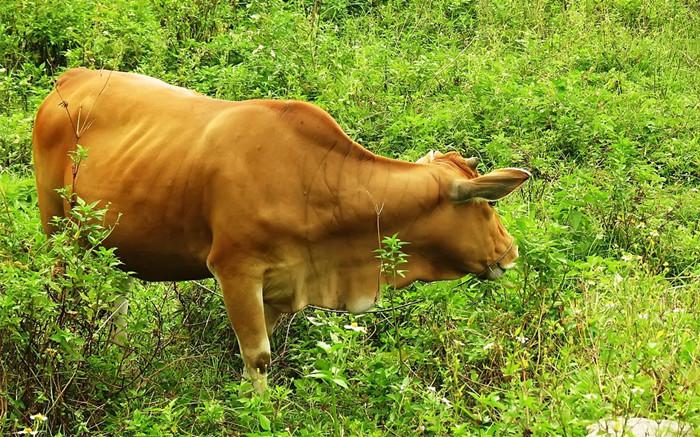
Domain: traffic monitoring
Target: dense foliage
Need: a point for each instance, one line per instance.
(600, 99)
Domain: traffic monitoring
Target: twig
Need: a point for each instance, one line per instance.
(88, 123)
(64, 103)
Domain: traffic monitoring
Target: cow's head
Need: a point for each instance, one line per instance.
(468, 236)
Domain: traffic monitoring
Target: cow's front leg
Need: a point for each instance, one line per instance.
(246, 312)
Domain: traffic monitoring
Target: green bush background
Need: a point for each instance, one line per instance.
(600, 99)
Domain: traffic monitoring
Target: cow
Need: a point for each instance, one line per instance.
(270, 197)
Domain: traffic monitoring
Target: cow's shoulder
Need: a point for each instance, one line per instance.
(309, 120)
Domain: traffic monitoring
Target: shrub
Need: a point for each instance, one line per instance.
(57, 307)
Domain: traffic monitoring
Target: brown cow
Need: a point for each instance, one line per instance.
(271, 198)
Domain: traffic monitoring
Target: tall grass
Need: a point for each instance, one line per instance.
(598, 98)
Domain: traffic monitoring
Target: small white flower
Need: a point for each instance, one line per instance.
(643, 316)
(637, 390)
(654, 233)
(257, 50)
(459, 343)
(520, 339)
(273, 54)
(590, 396)
(354, 327)
(255, 17)
(446, 402)
(38, 416)
(3, 69)
(431, 389)
(678, 310)
(617, 279)
(421, 428)
(28, 431)
(489, 346)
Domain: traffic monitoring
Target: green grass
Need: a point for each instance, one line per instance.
(598, 99)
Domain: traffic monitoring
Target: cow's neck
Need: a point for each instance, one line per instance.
(408, 197)
(375, 197)
(358, 186)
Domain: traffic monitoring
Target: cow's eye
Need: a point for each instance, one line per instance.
(492, 203)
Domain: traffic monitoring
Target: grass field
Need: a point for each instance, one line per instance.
(600, 99)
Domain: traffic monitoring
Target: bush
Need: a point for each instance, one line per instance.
(58, 299)
(597, 98)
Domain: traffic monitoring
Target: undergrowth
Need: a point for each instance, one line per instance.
(598, 99)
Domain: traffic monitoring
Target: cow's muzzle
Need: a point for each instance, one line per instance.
(506, 261)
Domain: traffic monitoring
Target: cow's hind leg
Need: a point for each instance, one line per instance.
(246, 312)
(272, 316)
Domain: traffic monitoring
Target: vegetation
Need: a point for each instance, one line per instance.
(598, 98)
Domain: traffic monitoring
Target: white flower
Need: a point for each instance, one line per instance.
(28, 431)
(354, 327)
(38, 416)
(520, 339)
(489, 346)
(643, 316)
(590, 396)
(678, 310)
(260, 47)
(446, 402)
(3, 69)
(431, 389)
(637, 390)
(617, 279)
(255, 17)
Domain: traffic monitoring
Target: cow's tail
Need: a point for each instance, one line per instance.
(52, 140)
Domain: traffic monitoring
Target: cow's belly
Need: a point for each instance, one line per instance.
(291, 288)
(159, 254)
(156, 266)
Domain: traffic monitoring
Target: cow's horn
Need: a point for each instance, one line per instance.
(472, 162)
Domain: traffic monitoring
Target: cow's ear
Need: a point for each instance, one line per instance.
(492, 186)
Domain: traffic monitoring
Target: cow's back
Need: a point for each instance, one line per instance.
(176, 167)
